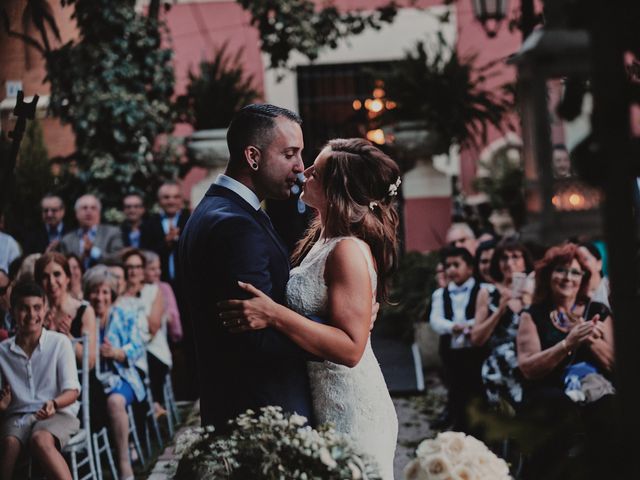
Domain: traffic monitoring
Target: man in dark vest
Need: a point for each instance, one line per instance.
(452, 317)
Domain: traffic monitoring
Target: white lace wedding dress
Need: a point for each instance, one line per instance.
(356, 400)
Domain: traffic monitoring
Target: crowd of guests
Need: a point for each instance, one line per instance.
(117, 286)
(532, 339)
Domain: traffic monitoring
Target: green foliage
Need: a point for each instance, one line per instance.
(218, 92)
(447, 93)
(114, 87)
(33, 179)
(287, 26)
(505, 187)
(411, 289)
(269, 445)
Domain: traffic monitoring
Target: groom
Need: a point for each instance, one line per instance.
(230, 238)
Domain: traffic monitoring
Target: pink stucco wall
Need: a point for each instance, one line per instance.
(426, 222)
(197, 28)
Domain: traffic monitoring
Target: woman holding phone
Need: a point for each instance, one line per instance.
(497, 317)
(562, 331)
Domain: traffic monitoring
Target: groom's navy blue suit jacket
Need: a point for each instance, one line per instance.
(224, 241)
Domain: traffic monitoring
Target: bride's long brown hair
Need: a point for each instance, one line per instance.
(359, 182)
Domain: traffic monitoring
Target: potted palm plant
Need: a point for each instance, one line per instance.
(214, 94)
(442, 99)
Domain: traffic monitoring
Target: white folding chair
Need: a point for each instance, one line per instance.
(133, 435)
(80, 443)
(173, 416)
(100, 438)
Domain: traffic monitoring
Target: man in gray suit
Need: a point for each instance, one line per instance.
(92, 241)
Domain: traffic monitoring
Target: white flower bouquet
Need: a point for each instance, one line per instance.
(270, 445)
(455, 456)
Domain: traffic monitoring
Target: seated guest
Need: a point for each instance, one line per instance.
(559, 335)
(484, 253)
(150, 298)
(461, 235)
(120, 347)
(452, 317)
(497, 318)
(43, 418)
(133, 207)
(92, 241)
(75, 267)
(152, 275)
(598, 284)
(9, 250)
(67, 315)
(46, 237)
(6, 323)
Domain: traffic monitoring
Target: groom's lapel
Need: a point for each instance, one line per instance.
(261, 217)
(265, 221)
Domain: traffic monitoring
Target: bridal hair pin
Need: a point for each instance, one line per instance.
(393, 188)
(373, 205)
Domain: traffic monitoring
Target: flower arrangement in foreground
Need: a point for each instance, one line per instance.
(455, 456)
(270, 445)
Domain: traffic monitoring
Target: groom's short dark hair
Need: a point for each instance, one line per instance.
(253, 125)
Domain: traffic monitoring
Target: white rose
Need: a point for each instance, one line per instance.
(428, 447)
(475, 445)
(462, 472)
(448, 436)
(413, 471)
(437, 466)
(454, 448)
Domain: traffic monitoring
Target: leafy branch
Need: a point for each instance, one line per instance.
(449, 94)
(287, 26)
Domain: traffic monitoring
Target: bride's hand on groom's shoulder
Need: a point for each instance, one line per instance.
(244, 315)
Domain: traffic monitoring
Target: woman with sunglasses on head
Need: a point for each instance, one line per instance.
(497, 316)
(151, 311)
(559, 335)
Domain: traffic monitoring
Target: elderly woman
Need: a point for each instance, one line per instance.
(558, 335)
(151, 312)
(120, 346)
(497, 317)
(67, 315)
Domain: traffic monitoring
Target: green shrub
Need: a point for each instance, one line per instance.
(411, 290)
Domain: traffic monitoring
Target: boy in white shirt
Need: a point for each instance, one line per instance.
(452, 317)
(39, 379)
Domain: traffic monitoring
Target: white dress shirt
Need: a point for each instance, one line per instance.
(235, 186)
(36, 380)
(460, 295)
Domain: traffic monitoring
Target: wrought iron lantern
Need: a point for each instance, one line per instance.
(557, 208)
(490, 14)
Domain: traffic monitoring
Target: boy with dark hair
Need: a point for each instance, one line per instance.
(39, 388)
(452, 317)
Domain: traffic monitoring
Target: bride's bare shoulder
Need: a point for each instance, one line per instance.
(347, 260)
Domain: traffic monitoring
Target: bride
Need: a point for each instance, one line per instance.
(343, 264)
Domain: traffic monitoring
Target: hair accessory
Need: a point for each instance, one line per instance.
(373, 205)
(393, 188)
